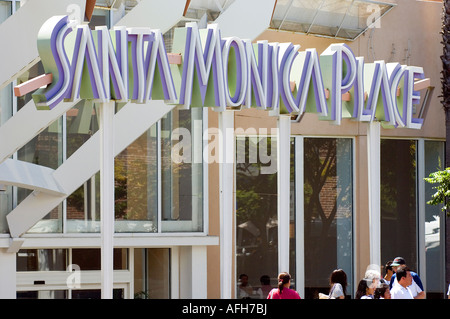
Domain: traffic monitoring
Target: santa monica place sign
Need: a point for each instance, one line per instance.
(131, 64)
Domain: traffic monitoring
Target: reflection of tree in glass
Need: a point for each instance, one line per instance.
(256, 219)
(320, 166)
(327, 197)
(398, 199)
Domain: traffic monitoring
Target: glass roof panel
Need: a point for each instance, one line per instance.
(345, 19)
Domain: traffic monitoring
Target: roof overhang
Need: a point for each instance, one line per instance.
(341, 19)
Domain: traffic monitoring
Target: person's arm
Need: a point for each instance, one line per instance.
(418, 281)
(420, 295)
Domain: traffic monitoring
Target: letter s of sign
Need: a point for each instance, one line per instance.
(54, 59)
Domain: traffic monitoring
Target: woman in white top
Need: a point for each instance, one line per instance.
(338, 284)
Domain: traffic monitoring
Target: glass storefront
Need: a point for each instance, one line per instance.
(399, 201)
(328, 212)
(256, 219)
(152, 273)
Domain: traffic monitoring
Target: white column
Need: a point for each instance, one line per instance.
(299, 216)
(226, 164)
(373, 166)
(7, 275)
(283, 190)
(199, 272)
(192, 272)
(175, 272)
(106, 118)
(185, 277)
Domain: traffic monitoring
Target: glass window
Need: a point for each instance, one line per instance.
(41, 259)
(136, 190)
(83, 205)
(42, 294)
(99, 17)
(434, 237)
(328, 212)
(182, 170)
(398, 201)
(95, 294)
(6, 203)
(152, 273)
(90, 258)
(5, 10)
(256, 217)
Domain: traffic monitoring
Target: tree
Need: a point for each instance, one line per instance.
(442, 178)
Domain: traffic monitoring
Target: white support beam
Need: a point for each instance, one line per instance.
(226, 158)
(147, 13)
(373, 166)
(123, 241)
(16, 244)
(30, 176)
(246, 19)
(283, 190)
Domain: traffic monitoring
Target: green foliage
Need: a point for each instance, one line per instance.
(442, 179)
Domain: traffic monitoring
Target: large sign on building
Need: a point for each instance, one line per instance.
(131, 64)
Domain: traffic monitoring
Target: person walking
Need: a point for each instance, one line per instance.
(416, 285)
(283, 291)
(389, 272)
(400, 289)
(338, 284)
